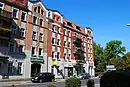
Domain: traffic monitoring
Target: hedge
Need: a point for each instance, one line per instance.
(90, 83)
(72, 82)
(115, 79)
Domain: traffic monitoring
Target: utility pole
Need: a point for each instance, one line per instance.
(48, 37)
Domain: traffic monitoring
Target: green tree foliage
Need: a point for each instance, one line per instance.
(113, 49)
(98, 58)
(121, 62)
(113, 53)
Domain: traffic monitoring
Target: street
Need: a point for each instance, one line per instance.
(57, 84)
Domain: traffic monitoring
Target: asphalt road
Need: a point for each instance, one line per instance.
(57, 84)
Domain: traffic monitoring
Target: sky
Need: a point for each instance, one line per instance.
(107, 18)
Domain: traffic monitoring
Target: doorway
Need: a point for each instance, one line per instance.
(35, 69)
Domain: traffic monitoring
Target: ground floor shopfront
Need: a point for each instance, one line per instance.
(21, 66)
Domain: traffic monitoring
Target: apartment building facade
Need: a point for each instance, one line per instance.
(36, 39)
(13, 23)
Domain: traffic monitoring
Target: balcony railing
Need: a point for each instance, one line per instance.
(4, 13)
(5, 34)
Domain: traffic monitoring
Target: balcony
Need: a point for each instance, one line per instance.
(5, 14)
(3, 43)
(4, 33)
(77, 40)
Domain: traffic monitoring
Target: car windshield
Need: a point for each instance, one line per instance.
(40, 74)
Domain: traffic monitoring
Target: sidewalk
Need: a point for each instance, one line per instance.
(96, 85)
(5, 83)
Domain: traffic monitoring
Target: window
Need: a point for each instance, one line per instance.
(19, 67)
(90, 50)
(58, 55)
(64, 55)
(40, 51)
(58, 30)
(23, 16)
(77, 27)
(69, 24)
(68, 44)
(42, 11)
(21, 48)
(10, 67)
(68, 33)
(52, 54)
(22, 33)
(35, 9)
(53, 28)
(54, 17)
(38, 9)
(15, 13)
(1, 5)
(75, 34)
(53, 40)
(64, 43)
(11, 48)
(58, 42)
(69, 56)
(14, 28)
(41, 22)
(34, 20)
(41, 37)
(64, 32)
(33, 50)
(34, 35)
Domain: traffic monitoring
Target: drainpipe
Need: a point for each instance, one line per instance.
(47, 38)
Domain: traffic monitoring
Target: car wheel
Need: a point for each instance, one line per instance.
(53, 80)
(40, 81)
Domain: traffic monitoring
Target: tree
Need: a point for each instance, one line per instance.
(118, 62)
(98, 58)
(121, 62)
(126, 59)
(113, 49)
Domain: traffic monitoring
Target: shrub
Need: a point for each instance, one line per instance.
(90, 83)
(72, 82)
(51, 85)
(115, 78)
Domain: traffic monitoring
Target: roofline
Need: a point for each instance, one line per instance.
(53, 10)
(74, 23)
(89, 28)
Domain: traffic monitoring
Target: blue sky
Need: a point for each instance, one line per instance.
(107, 18)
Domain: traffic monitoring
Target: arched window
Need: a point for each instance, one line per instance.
(35, 9)
(42, 12)
(38, 9)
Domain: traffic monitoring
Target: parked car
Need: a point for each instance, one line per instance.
(84, 76)
(43, 77)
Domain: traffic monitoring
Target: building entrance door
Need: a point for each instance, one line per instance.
(35, 69)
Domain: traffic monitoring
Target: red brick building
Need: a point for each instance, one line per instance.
(36, 39)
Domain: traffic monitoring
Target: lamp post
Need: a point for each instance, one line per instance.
(47, 38)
